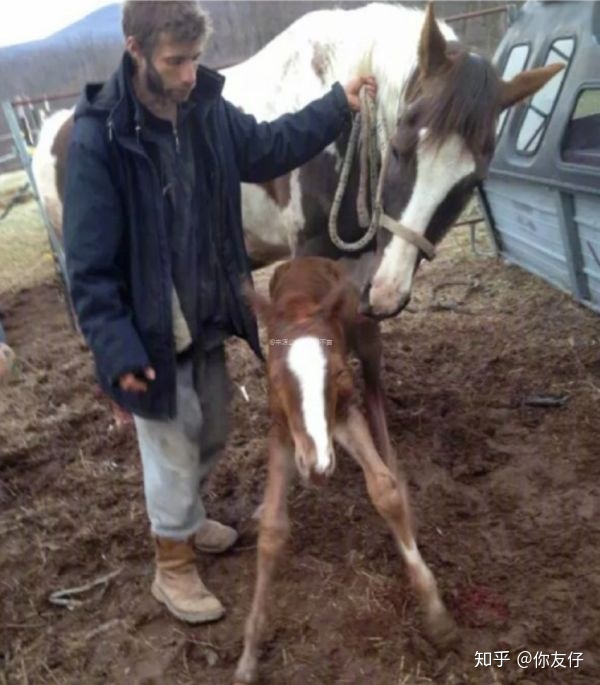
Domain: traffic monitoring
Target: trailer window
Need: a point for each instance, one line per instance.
(581, 144)
(540, 108)
(517, 59)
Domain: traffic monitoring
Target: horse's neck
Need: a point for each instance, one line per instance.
(290, 72)
(322, 47)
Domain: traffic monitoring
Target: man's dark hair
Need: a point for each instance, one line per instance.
(145, 20)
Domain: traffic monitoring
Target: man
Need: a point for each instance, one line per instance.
(156, 257)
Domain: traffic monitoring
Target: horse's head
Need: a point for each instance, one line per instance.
(441, 148)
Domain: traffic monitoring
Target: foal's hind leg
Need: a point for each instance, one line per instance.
(366, 341)
(389, 495)
(273, 532)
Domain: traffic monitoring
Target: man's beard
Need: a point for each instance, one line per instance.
(156, 85)
(154, 81)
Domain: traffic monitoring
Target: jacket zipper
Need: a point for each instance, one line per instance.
(176, 136)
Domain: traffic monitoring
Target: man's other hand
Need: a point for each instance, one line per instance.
(353, 87)
(137, 382)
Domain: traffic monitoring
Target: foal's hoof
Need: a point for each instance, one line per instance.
(245, 676)
(442, 630)
(7, 361)
(242, 681)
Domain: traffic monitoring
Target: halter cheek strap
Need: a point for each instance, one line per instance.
(412, 237)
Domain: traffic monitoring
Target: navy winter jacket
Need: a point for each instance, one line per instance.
(118, 258)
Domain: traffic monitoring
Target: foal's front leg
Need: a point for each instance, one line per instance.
(366, 341)
(273, 532)
(389, 495)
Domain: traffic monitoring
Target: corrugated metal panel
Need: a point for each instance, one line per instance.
(528, 227)
(587, 221)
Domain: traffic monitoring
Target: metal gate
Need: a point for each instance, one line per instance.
(25, 118)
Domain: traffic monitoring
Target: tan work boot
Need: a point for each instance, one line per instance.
(177, 584)
(214, 537)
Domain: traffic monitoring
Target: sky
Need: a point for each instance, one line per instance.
(25, 20)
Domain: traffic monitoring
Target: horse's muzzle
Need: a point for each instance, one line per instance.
(365, 308)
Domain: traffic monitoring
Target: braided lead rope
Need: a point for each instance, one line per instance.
(378, 217)
(362, 210)
(342, 184)
(369, 159)
(374, 157)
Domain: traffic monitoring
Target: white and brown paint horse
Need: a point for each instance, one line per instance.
(313, 323)
(438, 101)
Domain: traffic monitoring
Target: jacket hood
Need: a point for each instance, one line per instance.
(115, 100)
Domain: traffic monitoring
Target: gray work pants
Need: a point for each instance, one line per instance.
(178, 454)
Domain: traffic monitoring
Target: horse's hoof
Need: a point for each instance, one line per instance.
(442, 630)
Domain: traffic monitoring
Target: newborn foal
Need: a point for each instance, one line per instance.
(312, 322)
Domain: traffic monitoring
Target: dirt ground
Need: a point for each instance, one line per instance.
(505, 494)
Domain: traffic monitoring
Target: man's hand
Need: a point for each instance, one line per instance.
(131, 382)
(353, 87)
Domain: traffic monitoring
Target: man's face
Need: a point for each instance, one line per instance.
(171, 71)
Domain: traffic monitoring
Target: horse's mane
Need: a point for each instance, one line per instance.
(467, 103)
(395, 33)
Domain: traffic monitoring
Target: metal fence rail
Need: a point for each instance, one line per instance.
(24, 119)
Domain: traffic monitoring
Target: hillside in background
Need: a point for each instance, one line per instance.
(89, 49)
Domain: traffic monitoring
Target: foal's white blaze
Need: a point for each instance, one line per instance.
(439, 169)
(307, 362)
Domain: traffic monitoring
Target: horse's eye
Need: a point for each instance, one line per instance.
(411, 117)
(411, 120)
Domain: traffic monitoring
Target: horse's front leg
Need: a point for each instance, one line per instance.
(366, 341)
(389, 495)
(273, 532)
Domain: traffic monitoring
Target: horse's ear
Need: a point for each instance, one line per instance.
(260, 304)
(527, 83)
(432, 46)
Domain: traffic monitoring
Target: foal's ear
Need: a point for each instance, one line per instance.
(432, 46)
(527, 83)
(260, 304)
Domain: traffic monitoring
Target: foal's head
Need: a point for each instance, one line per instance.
(310, 383)
(441, 148)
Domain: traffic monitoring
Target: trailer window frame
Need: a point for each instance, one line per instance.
(507, 75)
(531, 145)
